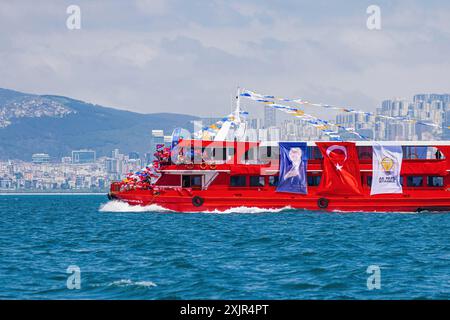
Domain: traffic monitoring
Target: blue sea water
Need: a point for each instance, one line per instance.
(244, 255)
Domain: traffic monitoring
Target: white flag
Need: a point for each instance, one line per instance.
(386, 163)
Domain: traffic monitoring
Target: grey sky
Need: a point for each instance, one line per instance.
(189, 56)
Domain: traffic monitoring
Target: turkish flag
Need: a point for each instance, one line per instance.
(340, 175)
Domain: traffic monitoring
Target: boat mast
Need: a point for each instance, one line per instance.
(237, 111)
(236, 124)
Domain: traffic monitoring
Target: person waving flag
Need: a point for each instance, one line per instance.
(340, 175)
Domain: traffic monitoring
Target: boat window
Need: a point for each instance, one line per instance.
(273, 181)
(314, 153)
(224, 154)
(364, 152)
(238, 181)
(314, 181)
(267, 153)
(251, 156)
(197, 155)
(208, 154)
(422, 152)
(438, 154)
(219, 154)
(190, 181)
(435, 181)
(257, 181)
(186, 182)
(196, 181)
(414, 181)
(246, 155)
(414, 152)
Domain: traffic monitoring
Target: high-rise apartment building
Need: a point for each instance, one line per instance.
(270, 117)
(40, 158)
(83, 156)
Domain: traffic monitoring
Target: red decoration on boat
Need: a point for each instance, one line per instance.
(341, 173)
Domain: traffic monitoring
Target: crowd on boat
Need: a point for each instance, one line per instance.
(143, 178)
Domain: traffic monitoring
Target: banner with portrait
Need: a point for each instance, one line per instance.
(386, 167)
(293, 163)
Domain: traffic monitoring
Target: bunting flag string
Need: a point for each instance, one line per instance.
(321, 124)
(270, 98)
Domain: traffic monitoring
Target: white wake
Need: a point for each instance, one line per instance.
(251, 210)
(120, 206)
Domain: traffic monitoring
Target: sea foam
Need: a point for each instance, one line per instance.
(126, 283)
(251, 210)
(120, 206)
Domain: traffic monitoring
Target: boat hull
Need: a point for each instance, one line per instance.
(203, 201)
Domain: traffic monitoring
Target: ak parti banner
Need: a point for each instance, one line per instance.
(340, 175)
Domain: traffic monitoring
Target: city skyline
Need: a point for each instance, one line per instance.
(437, 106)
(82, 172)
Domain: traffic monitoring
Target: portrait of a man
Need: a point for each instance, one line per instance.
(292, 169)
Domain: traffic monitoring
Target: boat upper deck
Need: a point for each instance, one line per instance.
(267, 152)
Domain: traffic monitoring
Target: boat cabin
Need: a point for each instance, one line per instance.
(196, 164)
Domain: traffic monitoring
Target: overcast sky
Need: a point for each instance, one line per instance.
(189, 56)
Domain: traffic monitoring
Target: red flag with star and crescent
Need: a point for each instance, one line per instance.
(340, 175)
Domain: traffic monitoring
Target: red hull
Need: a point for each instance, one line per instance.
(181, 201)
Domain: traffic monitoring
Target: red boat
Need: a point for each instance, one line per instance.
(245, 174)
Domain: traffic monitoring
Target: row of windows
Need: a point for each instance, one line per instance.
(417, 181)
(195, 181)
(364, 152)
(314, 180)
(260, 181)
(409, 152)
(254, 181)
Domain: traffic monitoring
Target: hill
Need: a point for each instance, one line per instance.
(57, 125)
